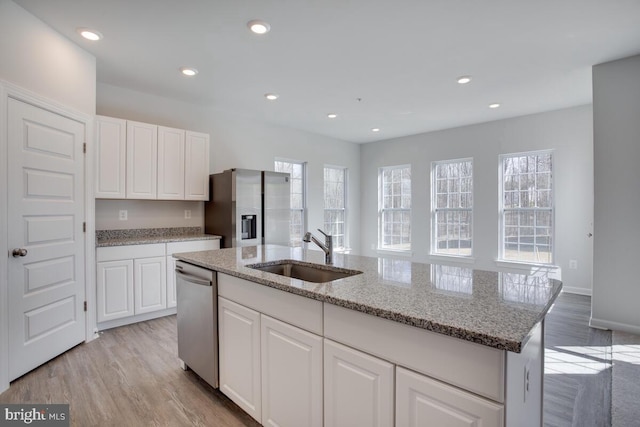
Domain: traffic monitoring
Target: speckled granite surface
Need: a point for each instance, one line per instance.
(490, 308)
(143, 236)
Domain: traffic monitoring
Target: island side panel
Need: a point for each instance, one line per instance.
(524, 382)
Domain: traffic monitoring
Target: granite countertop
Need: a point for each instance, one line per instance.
(496, 309)
(143, 236)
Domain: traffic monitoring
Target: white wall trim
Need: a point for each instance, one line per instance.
(9, 90)
(575, 290)
(614, 326)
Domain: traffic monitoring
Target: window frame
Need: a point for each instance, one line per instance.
(382, 210)
(344, 209)
(502, 210)
(303, 211)
(435, 209)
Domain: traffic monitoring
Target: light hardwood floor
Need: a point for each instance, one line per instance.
(131, 377)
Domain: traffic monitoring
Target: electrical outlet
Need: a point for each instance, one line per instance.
(187, 214)
(123, 215)
(573, 264)
(526, 382)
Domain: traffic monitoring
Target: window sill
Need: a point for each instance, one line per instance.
(452, 258)
(521, 265)
(391, 252)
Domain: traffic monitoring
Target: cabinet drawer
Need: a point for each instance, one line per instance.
(303, 312)
(192, 246)
(113, 253)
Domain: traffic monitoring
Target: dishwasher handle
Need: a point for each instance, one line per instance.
(193, 279)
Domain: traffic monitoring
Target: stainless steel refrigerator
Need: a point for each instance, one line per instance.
(248, 207)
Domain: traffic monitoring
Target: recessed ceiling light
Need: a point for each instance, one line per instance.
(259, 27)
(463, 80)
(375, 130)
(332, 115)
(494, 105)
(188, 71)
(271, 96)
(89, 34)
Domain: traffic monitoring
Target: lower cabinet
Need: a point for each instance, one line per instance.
(291, 375)
(358, 388)
(239, 356)
(133, 280)
(150, 279)
(271, 369)
(423, 401)
(114, 289)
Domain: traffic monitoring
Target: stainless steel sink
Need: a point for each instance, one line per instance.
(308, 272)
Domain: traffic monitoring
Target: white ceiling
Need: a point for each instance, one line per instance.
(375, 63)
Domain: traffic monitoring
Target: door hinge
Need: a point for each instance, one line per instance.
(85, 306)
(84, 147)
(84, 227)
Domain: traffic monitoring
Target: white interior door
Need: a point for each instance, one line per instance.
(46, 213)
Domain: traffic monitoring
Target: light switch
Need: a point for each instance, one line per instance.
(187, 214)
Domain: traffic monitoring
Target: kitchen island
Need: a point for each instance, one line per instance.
(401, 343)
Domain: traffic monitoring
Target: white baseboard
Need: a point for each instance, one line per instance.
(135, 319)
(574, 290)
(614, 326)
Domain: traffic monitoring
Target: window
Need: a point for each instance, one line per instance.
(394, 208)
(452, 207)
(296, 170)
(526, 207)
(335, 202)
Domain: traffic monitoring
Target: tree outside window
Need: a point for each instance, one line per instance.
(394, 208)
(452, 207)
(296, 170)
(335, 212)
(527, 208)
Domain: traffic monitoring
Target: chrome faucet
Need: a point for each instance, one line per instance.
(327, 246)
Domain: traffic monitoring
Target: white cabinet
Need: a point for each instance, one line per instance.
(358, 388)
(114, 289)
(422, 401)
(142, 160)
(176, 247)
(150, 284)
(291, 375)
(171, 166)
(239, 356)
(196, 173)
(111, 152)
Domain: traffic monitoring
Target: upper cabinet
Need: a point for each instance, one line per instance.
(196, 178)
(111, 152)
(145, 161)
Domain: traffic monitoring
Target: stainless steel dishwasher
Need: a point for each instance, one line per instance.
(197, 290)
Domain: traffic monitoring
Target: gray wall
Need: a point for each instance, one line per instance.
(616, 122)
(38, 59)
(567, 131)
(237, 142)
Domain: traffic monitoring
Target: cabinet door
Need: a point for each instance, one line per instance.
(114, 289)
(111, 157)
(170, 163)
(142, 160)
(197, 166)
(358, 388)
(291, 375)
(239, 355)
(150, 284)
(422, 401)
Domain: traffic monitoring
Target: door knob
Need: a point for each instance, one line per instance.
(19, 252)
